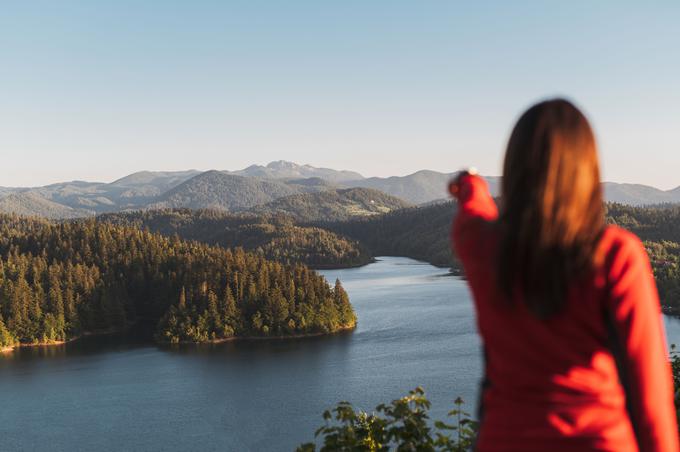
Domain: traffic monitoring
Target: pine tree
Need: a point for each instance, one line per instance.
(182, 299)
(6, 338)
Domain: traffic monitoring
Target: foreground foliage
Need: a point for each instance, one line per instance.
(403, 425)
(59, 280)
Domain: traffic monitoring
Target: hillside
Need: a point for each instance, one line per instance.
(419, 232)
(86, 198)
(333, 205)
(78, 195)
(638, 195)
(310, 184)
(273, 237)
(218, 190)
(32, 204)
(161, 180)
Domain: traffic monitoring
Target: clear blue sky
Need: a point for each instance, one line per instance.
(94, 90)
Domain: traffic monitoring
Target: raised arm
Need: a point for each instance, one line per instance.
(476, 207)
(634, 305)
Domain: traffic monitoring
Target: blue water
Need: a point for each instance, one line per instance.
(416, 327)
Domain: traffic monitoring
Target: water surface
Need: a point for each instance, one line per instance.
(416, 327)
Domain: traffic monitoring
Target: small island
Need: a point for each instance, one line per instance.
(62, 280)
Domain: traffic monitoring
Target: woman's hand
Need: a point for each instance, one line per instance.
(454, 184)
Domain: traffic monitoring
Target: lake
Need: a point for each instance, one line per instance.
(416, 327)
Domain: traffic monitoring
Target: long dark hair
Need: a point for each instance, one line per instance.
(551, 212)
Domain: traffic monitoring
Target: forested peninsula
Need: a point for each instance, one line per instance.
(60, 280)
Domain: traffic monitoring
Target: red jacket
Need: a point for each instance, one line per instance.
(554, 384)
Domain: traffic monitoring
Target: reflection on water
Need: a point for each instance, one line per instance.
(672, 325)
(125, 393)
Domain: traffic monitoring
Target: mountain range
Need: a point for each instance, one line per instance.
(276, 187)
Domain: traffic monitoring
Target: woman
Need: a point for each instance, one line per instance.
(567, 307)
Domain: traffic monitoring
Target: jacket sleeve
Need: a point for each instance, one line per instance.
(475, 208)
(634, 306)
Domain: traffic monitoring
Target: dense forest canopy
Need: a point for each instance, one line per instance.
(59, 280)
(418, 232)
(655, 223)
(274, 237)
(333, 205)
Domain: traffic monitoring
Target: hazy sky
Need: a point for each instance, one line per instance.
(94, 90)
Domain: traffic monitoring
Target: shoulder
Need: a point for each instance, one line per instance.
(617, 240)
(621, 250)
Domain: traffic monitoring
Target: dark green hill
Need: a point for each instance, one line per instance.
(417, 232)
(656, 223)
(273, 237)
(333, 205)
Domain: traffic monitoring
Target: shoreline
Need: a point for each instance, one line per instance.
(19, 345)
(12, 348)
(343, 267)
(261, 338)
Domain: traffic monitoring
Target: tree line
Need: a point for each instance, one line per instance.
(59, 280)
(417, 232)
(273, 236)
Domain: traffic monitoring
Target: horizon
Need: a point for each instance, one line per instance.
(92, 181)
(99, 90)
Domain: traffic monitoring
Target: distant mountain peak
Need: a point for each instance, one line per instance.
(284, 164)
(284, 169)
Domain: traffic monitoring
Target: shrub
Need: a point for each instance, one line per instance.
(402, 425)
